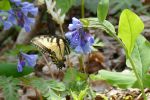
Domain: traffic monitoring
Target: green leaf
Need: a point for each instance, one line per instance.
(10, 69)
(70, 75)
(130, 26)
(9, 87)
(79, 96)
(73, 75)
(55, 85)
(51, 95)
(94, 23)
(83, 93)
(74, 95)
(102, 10)
(123, 80)
(74, 80)
(5, 5)
(140, 56)
(146, 80)
(97, 43)
(65, 6)
(40, 84)
(51, 89)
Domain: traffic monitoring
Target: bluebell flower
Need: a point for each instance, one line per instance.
(76, 24)
(20, 65)
(11, 20)
(24, 59)
(79, 40)
(23, 15)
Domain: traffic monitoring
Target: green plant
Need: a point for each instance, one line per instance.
(81, 95)
(77, 85)
(130, 27)
(74, 80)
(50, 89)
(9, 86)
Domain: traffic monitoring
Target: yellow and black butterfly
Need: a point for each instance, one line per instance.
(56, 46)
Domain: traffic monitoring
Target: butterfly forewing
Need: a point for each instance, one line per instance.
(50, 45)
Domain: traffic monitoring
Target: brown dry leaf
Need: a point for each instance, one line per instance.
(95, 62)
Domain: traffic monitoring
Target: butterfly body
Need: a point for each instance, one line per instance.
(55, 46)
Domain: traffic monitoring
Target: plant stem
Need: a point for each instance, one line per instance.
(48, 66)
(61, 29)
(132, 63)
(81, 63)
(82, 8)
(137, 76)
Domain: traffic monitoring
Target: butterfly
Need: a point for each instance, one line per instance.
(55, 46)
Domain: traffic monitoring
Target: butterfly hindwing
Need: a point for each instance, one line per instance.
(55, 46)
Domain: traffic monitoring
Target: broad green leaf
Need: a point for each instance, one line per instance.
(102, 10)
(5, 5)
(123, 80)
(140, 56)
(10, 69)
(146, 80)
(130, 26)
(94, 23)
(64, 5)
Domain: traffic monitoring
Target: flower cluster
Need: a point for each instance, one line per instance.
(22, 14)
(79, 40)
(26, 58)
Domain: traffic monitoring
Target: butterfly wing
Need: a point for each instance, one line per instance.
(53, 45)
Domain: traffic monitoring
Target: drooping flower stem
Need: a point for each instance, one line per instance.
(82, 8)
(131, 61)
(61, 29)
(81, 63)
